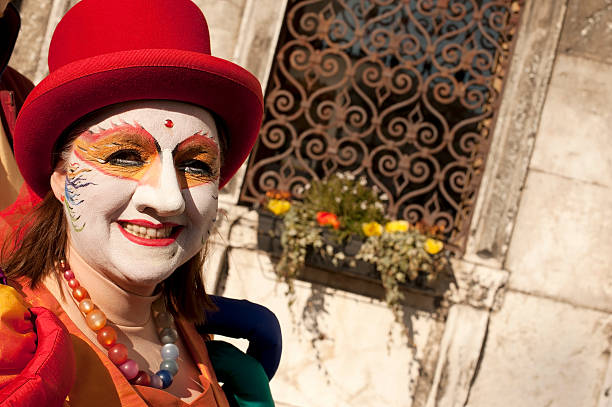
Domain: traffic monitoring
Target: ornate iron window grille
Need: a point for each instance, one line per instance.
(404, 92)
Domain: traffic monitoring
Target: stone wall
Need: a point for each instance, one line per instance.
(550, 342)
(528, 321)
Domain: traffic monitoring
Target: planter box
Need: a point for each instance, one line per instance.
(268, 239)
(268, 233)
(351, 248)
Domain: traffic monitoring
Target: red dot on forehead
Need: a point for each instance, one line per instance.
(169, 123)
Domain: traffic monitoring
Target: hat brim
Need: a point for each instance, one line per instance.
(79, 88)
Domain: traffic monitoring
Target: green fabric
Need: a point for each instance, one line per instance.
(245, 381)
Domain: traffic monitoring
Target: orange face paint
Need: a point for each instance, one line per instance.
(131, 152)
(124, 151)
(197, 159)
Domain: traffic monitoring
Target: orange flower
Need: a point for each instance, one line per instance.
(278, 194)
(328, 219)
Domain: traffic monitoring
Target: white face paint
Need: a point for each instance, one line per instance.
(141, 190)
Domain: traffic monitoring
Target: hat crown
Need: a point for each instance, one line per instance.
(97, 27)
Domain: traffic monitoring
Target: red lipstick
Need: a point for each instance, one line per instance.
(150, 242)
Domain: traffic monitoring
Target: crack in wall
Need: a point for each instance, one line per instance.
(478, 362)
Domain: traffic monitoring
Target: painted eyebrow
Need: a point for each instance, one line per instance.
(133, 129)
(199, 136)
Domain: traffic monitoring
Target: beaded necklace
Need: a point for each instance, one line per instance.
(118, 352)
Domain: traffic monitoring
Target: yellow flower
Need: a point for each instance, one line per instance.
(433, 246)
(278, 206)
(396, 226)
(372, 229)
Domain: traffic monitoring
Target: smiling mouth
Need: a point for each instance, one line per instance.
(149, 234)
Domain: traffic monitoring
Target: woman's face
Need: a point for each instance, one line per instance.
(140, 190)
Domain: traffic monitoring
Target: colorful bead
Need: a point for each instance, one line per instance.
(166, 377)
(169, 365)
(142, 379)
(86, 305)
(129, 368)
(118, 353)
(107, 337)
(168, 335)
(157, 382)
(80, 294)
(169, 351)
(95, 319)
(168, 123)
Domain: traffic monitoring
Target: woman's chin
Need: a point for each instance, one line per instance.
(141, 283)
(146, 270)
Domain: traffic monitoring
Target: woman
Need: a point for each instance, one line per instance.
(127, 142)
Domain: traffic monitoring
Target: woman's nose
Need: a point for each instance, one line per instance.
(162, 192)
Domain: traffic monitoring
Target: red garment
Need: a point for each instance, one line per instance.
(11, 217)
(99, 383)
(50, 374)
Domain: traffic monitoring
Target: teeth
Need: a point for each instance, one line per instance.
(147, 233)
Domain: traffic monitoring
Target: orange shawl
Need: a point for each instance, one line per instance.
(99, 383)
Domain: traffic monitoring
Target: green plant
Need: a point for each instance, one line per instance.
(300, 231)
(350, 199)
(341, 202)
(404, 255)
(349, 207)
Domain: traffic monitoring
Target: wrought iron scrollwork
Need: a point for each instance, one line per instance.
(403, 92)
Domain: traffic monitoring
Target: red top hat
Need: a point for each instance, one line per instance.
(110, 51)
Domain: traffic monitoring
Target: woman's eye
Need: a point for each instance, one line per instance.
(195, 167)
(126, 158)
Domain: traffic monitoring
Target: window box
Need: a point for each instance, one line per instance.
(270, 228)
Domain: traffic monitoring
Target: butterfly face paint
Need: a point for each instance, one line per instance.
(131, 152)
(141, 195)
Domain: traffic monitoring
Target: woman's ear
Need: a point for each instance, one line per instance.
(58, 182)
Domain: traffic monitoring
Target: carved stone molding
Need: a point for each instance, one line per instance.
(460, 350)
(515, 130)
(34, 18)
(58, 9)
(478, 286)
(259, 30)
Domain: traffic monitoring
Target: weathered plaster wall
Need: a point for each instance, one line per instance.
(34, 20)
(336, 346)
(39, 18)
(549, 344)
